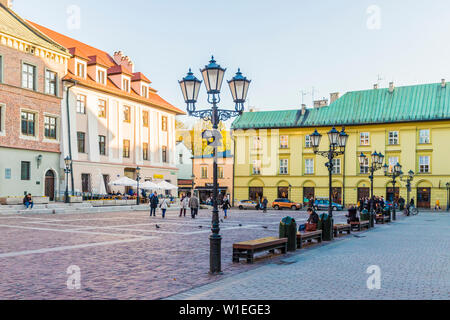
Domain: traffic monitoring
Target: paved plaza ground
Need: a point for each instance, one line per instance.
(125, 256)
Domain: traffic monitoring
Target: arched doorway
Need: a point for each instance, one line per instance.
(50, 185)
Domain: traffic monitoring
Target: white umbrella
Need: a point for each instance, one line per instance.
(148, 185)
(164, 185)
(124, 182)
(101, 186)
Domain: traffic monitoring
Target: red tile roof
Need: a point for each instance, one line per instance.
(139, 76)
(94, 55)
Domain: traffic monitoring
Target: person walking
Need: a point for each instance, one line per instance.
(164, 205)
(154, 201)
(264, 204)
(194, 204)
(225, 206)
(185, 204)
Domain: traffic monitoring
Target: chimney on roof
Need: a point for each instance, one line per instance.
(391, 87)
(123, 61)
(334, 96)
(7, 3)
(303, 109)
(443, 83)
(320, 103)
(375, 86)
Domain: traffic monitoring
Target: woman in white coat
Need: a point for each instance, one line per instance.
(164, 205)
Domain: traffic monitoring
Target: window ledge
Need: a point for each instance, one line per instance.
(30, 138)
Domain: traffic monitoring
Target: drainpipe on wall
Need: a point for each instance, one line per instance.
(234, 172)
(74, 83)
(343, 183)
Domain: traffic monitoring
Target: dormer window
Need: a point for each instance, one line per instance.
(81, 70)
(101, 76)
(126, 84)
(145, 91)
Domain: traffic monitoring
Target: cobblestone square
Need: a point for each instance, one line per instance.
(125, 256)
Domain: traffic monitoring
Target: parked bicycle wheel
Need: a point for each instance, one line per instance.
(414, 211)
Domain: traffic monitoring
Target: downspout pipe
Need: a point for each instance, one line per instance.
(72, 84)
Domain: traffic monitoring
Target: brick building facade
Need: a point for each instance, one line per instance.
(32, 67)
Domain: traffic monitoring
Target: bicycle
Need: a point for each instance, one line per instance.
(411, 211)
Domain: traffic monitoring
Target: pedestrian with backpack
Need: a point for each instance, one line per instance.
(154, 201)
(164, 205)
(225, 206)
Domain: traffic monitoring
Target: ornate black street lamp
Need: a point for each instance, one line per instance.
(338, 142)
(67, 171)
(138, 178)
(377, 164)
(213, 75)
(396, 172)
(408, 179)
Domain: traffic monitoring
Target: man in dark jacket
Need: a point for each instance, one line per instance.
(154, 201)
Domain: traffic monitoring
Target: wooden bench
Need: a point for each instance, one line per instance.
(383, 219)
(360, 225)
(247, 249)
(308, 236)
(341, 228)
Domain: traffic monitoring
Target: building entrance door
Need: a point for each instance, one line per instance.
(50, 185)
(424, 198)
(363, 193)
(337, 195)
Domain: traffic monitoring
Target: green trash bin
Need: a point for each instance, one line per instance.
(288, 229)
(326, 225)
(365, 216)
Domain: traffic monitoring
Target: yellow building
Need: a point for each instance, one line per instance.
(409, 125)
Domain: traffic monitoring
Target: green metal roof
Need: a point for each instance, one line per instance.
(267, 119)
(424, 102)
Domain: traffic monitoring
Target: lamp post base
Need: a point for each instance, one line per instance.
(215, 261)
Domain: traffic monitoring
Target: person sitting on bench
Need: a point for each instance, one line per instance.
(28, 201)
(311, 224)
(352, 215)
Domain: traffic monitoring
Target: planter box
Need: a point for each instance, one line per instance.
(109, 202)
(131, 202)
(11, 201)
(41, 200)
(97, 203)
(76, 199)
(121, 202)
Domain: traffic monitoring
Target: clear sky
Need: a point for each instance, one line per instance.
(283, 46)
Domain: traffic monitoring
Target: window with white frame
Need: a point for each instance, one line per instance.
(81, 104)
(392, 161)
(308, 141)
(145, 91)
(204, 172)
(424, 164)
(28, 123)
(28, 76)
(50, 126)
(284, 166)
(101, 76)
(126, 84)
(364, 139)
(336, 166)
(424, 136)
(393, 138)
(284, 142)
(364, 167)
(50, 82)
(256, 167)
(257, 143)
(81, 70)
(309, 166)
